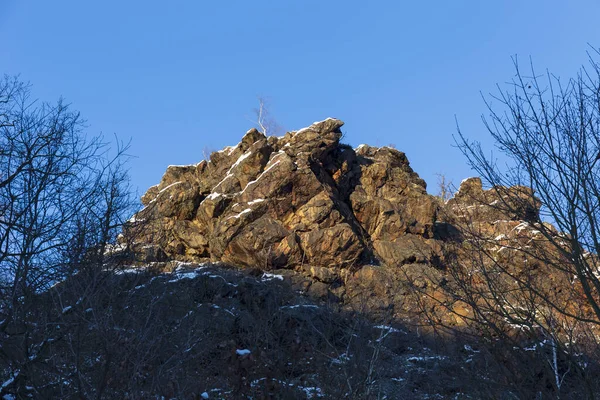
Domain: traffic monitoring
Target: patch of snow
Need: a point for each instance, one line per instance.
(501, 237)
(182, 265)
(256, 180)
(242, 352)
(311, 391)
(386, 328)
(425, 358)
(180, 274)
(127, 271)
(227, 176)
(66, 309)
(10, 380)
(341, 359)
(247, 210)
(271, 167)
(184, 165)
(298, 306)
(269, 277)
(469, 348)
(229, 149)
(255, 201)
(306, 129)
(214, 195)
(171, 185)
(111, 249)
(133, 219)
(235, 164)
(204, 395)
(521, 226)
(240, 159)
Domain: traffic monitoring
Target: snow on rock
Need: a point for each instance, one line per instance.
(170, 186)
(214, 195)
(262, 174)
(521, 226)
(247, 210)
(111, 249)
(240, 159)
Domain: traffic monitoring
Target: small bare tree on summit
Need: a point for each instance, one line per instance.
(266, 123)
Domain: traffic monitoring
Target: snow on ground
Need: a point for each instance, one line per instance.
(269, 277)
(298, 306)
(130, 270)
(311, 392)
(425, 358)
(182, 273)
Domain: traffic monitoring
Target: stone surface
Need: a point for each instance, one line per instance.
(300, 199)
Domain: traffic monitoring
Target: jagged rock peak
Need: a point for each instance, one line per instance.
(303, 199)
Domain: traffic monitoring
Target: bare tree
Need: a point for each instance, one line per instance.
(266, 123)
(62, 199)
(550, 131)
(444, 188)
(546, 284)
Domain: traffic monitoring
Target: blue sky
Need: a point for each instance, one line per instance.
(183, 76)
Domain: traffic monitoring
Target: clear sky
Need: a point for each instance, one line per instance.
(178, 77)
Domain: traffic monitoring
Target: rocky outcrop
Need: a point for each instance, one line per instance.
(352, 226)
(303, 199)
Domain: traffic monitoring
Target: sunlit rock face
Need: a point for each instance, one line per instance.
(300, 199)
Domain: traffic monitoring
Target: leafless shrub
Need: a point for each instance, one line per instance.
(62, 201)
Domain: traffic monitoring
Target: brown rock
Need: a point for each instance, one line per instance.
(281, 202)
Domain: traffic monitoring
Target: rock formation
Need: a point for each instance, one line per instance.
(349, 225)
(303, 199)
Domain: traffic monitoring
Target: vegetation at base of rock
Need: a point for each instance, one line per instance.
(178, 330)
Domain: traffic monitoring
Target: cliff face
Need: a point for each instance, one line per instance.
(301, 199)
